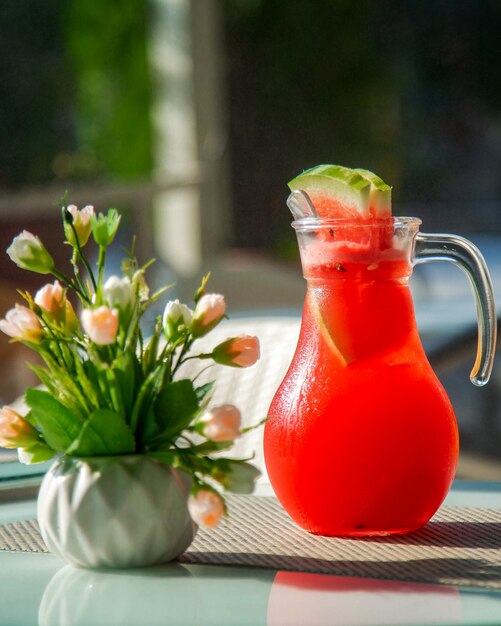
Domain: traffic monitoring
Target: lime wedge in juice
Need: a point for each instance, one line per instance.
(341, 192)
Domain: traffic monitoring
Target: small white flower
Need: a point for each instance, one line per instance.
(119, 294)
(29, 253)
(177, 317)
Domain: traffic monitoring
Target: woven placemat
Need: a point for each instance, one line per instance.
(460, 546)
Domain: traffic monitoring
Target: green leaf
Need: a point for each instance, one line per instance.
(88, 388)
(204, 390)
(106, 390)
(254, 426)
(115, 389)
(93, 374)
(125, 378)
(148, 430)
(56, 388)
(30, 419)
(237, 476)
(158, 293)
(45, 377)
(37, 453)
(59, 425)
(201, 290)
(103, 433)
(208, 447)
(150, 354)
(181, 459)
(144, 398)
(68, 389)
(175, 407)
(168, 457)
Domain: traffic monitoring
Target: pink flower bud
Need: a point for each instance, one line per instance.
(15, 431)
(21, 323)
(241, 351)
(51, 299)
(206, 508)
(208, 313)
(100, 324)
(81, 224)
(222, 423)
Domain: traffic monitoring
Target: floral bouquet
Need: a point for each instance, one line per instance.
(110, 391)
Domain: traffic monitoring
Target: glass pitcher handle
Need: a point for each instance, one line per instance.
(468, 257)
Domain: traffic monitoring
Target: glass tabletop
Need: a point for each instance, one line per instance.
(37, 589)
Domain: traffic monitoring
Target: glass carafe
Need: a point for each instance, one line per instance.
(362, 438)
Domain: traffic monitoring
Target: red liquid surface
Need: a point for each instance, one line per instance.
(362, 438)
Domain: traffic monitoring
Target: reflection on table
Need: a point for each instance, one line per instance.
(37, 589)
(298, 599)
(203, 595)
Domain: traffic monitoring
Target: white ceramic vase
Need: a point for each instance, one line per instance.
(115, 512)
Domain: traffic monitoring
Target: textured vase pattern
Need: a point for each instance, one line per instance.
(115, 512)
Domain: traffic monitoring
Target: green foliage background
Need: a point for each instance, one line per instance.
(75, 92)
(106, 48)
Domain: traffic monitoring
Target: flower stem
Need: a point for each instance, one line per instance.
(76, 269)
(77, 253)
(180, 359)
(71, 283)
(100, 267)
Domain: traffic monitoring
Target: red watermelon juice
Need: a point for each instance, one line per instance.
(361, 437)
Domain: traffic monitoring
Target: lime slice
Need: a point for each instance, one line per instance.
(341, 192)
(324, 330)
(380, 201)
